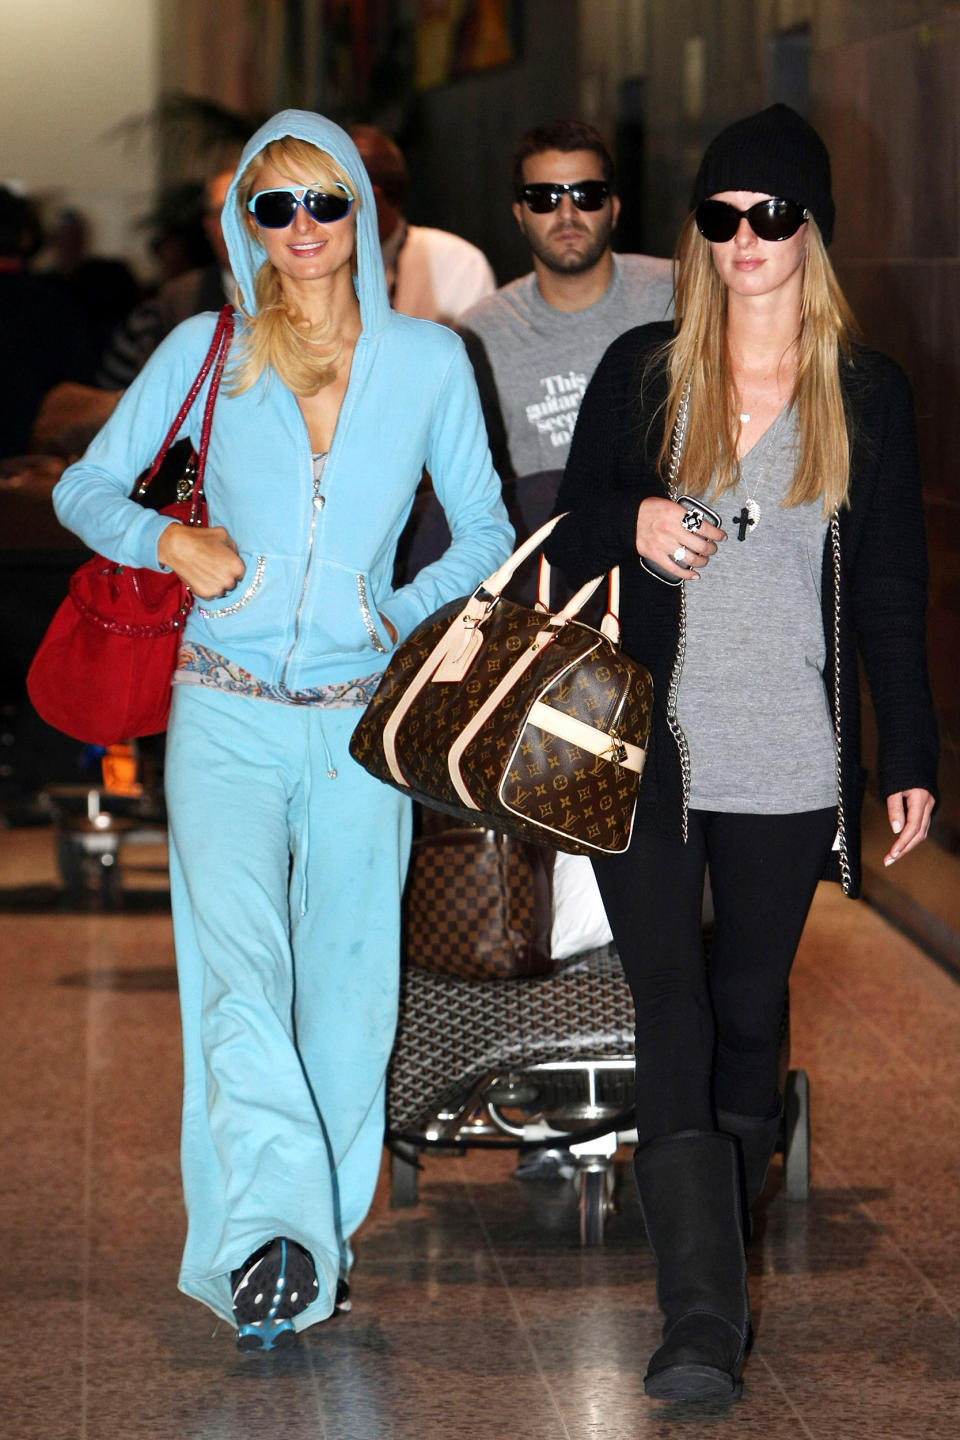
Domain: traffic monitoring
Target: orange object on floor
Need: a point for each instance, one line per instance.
(120, 766)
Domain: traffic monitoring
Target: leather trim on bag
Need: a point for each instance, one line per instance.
(596, 742)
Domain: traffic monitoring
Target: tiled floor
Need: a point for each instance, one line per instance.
(476, 1314)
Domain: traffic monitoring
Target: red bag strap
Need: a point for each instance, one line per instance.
(216, 358)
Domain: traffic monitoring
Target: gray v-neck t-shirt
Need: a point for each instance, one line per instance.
(752, 701)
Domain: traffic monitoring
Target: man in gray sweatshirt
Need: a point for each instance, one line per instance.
(536, 342)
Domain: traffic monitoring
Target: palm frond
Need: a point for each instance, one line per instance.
(193, 133)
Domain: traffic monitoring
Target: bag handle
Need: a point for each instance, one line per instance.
(215, 358)
(454, 653)
(497, 582)
(610, 624)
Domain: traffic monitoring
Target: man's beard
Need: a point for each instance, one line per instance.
(572, 262)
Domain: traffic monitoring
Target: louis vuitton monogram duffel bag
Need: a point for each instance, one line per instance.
(527, 721)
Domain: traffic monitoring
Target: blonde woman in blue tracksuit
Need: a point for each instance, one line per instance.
(287, 860)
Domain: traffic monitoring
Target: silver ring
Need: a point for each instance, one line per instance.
(692, 520)
(679, 555)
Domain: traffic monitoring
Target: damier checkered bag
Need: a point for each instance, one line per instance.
(516, 718)
(478, 904)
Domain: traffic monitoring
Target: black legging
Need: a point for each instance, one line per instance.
(708, 1032)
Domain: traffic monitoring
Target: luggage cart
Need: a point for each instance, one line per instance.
(533, 1062)
(95, 822)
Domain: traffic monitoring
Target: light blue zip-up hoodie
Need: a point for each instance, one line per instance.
(325, 575)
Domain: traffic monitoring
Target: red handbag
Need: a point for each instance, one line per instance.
(102, 671)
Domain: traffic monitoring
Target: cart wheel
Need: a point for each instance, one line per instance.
(111, 882)
(404, 1175)
(796, 1136)
(70, 862)
(594, 1187)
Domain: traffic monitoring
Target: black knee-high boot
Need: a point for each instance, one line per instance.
(690, 1188)
(758, 1140)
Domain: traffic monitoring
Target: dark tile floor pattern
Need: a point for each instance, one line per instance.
(476, 1313)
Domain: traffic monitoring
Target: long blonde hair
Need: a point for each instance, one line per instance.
(698, 354)
(276, 336)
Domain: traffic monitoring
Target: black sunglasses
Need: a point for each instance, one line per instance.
(275, 209)
(546, 196)
(768, 219)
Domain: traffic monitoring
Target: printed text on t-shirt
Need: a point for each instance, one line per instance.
(556, 414)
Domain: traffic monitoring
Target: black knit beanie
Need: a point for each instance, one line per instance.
(776, 153)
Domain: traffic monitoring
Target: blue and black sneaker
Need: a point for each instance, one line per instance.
(276, 1283)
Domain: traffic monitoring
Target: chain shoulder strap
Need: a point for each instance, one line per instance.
(679, 439)
(845, 874)
(677, 443)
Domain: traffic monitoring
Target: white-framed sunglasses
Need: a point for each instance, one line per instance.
(275, 209)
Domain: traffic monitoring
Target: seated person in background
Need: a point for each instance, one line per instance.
(104, 287)
(46, 338)
(72, 414)
(205, 287)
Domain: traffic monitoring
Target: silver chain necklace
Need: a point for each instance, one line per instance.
(750, 512)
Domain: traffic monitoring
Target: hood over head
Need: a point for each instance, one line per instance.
(247, 255)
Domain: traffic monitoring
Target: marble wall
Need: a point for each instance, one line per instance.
(886, 88)
(888, 105)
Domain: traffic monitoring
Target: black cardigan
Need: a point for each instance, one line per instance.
(883, 569)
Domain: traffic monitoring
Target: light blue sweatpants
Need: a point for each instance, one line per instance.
(285, 883)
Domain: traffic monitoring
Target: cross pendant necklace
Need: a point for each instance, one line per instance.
(749, 515)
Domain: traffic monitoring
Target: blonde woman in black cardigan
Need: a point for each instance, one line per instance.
(760, 406)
